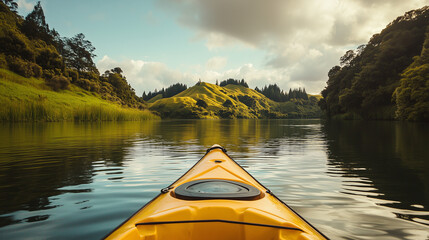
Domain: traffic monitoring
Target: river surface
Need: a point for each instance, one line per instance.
(351, 180)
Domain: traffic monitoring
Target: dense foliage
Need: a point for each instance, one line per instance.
(274, 93)
(30, 48)
(412, 95)
(167, 92)
(234, 82)
(364, 84)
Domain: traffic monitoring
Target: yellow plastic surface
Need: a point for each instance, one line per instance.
(265, 210)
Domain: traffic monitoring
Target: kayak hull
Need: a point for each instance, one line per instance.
(169, 216)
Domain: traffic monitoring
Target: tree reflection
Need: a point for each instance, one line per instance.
(238, 135)
(42, 160)
(38, 160)
(390, 155)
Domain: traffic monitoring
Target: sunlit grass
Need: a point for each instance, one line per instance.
(29, 99)
(244, 103)
(215, 96)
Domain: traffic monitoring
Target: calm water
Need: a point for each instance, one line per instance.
(352, 180)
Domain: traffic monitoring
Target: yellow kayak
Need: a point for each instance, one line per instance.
(215, 199)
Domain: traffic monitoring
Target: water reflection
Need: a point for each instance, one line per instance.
(59, 177)
(41, 160)
(383, 160)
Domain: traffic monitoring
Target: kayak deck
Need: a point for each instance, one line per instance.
(169, 216)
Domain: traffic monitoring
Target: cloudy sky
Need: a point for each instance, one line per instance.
(161, 42)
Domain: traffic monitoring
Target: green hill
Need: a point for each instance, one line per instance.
(206, 100)
(46, 77)
(152, 100)
(385, 79)
(29, 99)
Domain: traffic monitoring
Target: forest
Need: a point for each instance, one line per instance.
(274, 93)
(387, 78)
(167, 92)
(30, 48)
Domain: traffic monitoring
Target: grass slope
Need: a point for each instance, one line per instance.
(157, 97)
(29, 99)
(244, 103)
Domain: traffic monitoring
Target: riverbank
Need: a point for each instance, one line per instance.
(29, 99)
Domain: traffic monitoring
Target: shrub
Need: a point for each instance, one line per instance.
(37, 70)
(248, 101)
(20, 66)
(84, 83)
(3, 62)
(202, 103)
(58, 83)
(48, 73)
(88, 85)
(225, 113)
(12, 43)
(49, 59)
(73, 75)
(94, 87)
(89, 75)
(228, 103)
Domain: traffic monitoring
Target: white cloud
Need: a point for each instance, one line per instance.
(301, 39)
(216, 63)
(25, 6)
(148, 76)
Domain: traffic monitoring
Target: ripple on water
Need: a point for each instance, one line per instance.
(79, 181)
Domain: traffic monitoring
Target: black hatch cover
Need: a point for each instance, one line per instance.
(216, 189)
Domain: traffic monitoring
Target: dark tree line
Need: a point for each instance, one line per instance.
(234, 82)
(364, 84)
(167, 92)
(274, 93)
(412, 94)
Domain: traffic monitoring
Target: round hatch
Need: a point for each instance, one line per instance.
(216, 189)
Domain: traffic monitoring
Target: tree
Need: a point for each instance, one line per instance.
(347, 58)
(234, 82)
(334, 70)
(117, 70)
(79, 53)
(368, 76)
(168, 92)
(35, 26)
(412, 95)
(274, 93)
(11, 4)
(37, 16)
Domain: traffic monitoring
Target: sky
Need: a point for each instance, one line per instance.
(161, 42)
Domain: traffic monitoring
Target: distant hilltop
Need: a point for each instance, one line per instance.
(233, 100)
(54, 78)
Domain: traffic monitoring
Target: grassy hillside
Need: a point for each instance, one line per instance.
(206, 100)
(152, 100)
(44, 76)
(29, 99)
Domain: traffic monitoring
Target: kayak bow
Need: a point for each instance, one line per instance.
(215, 199)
